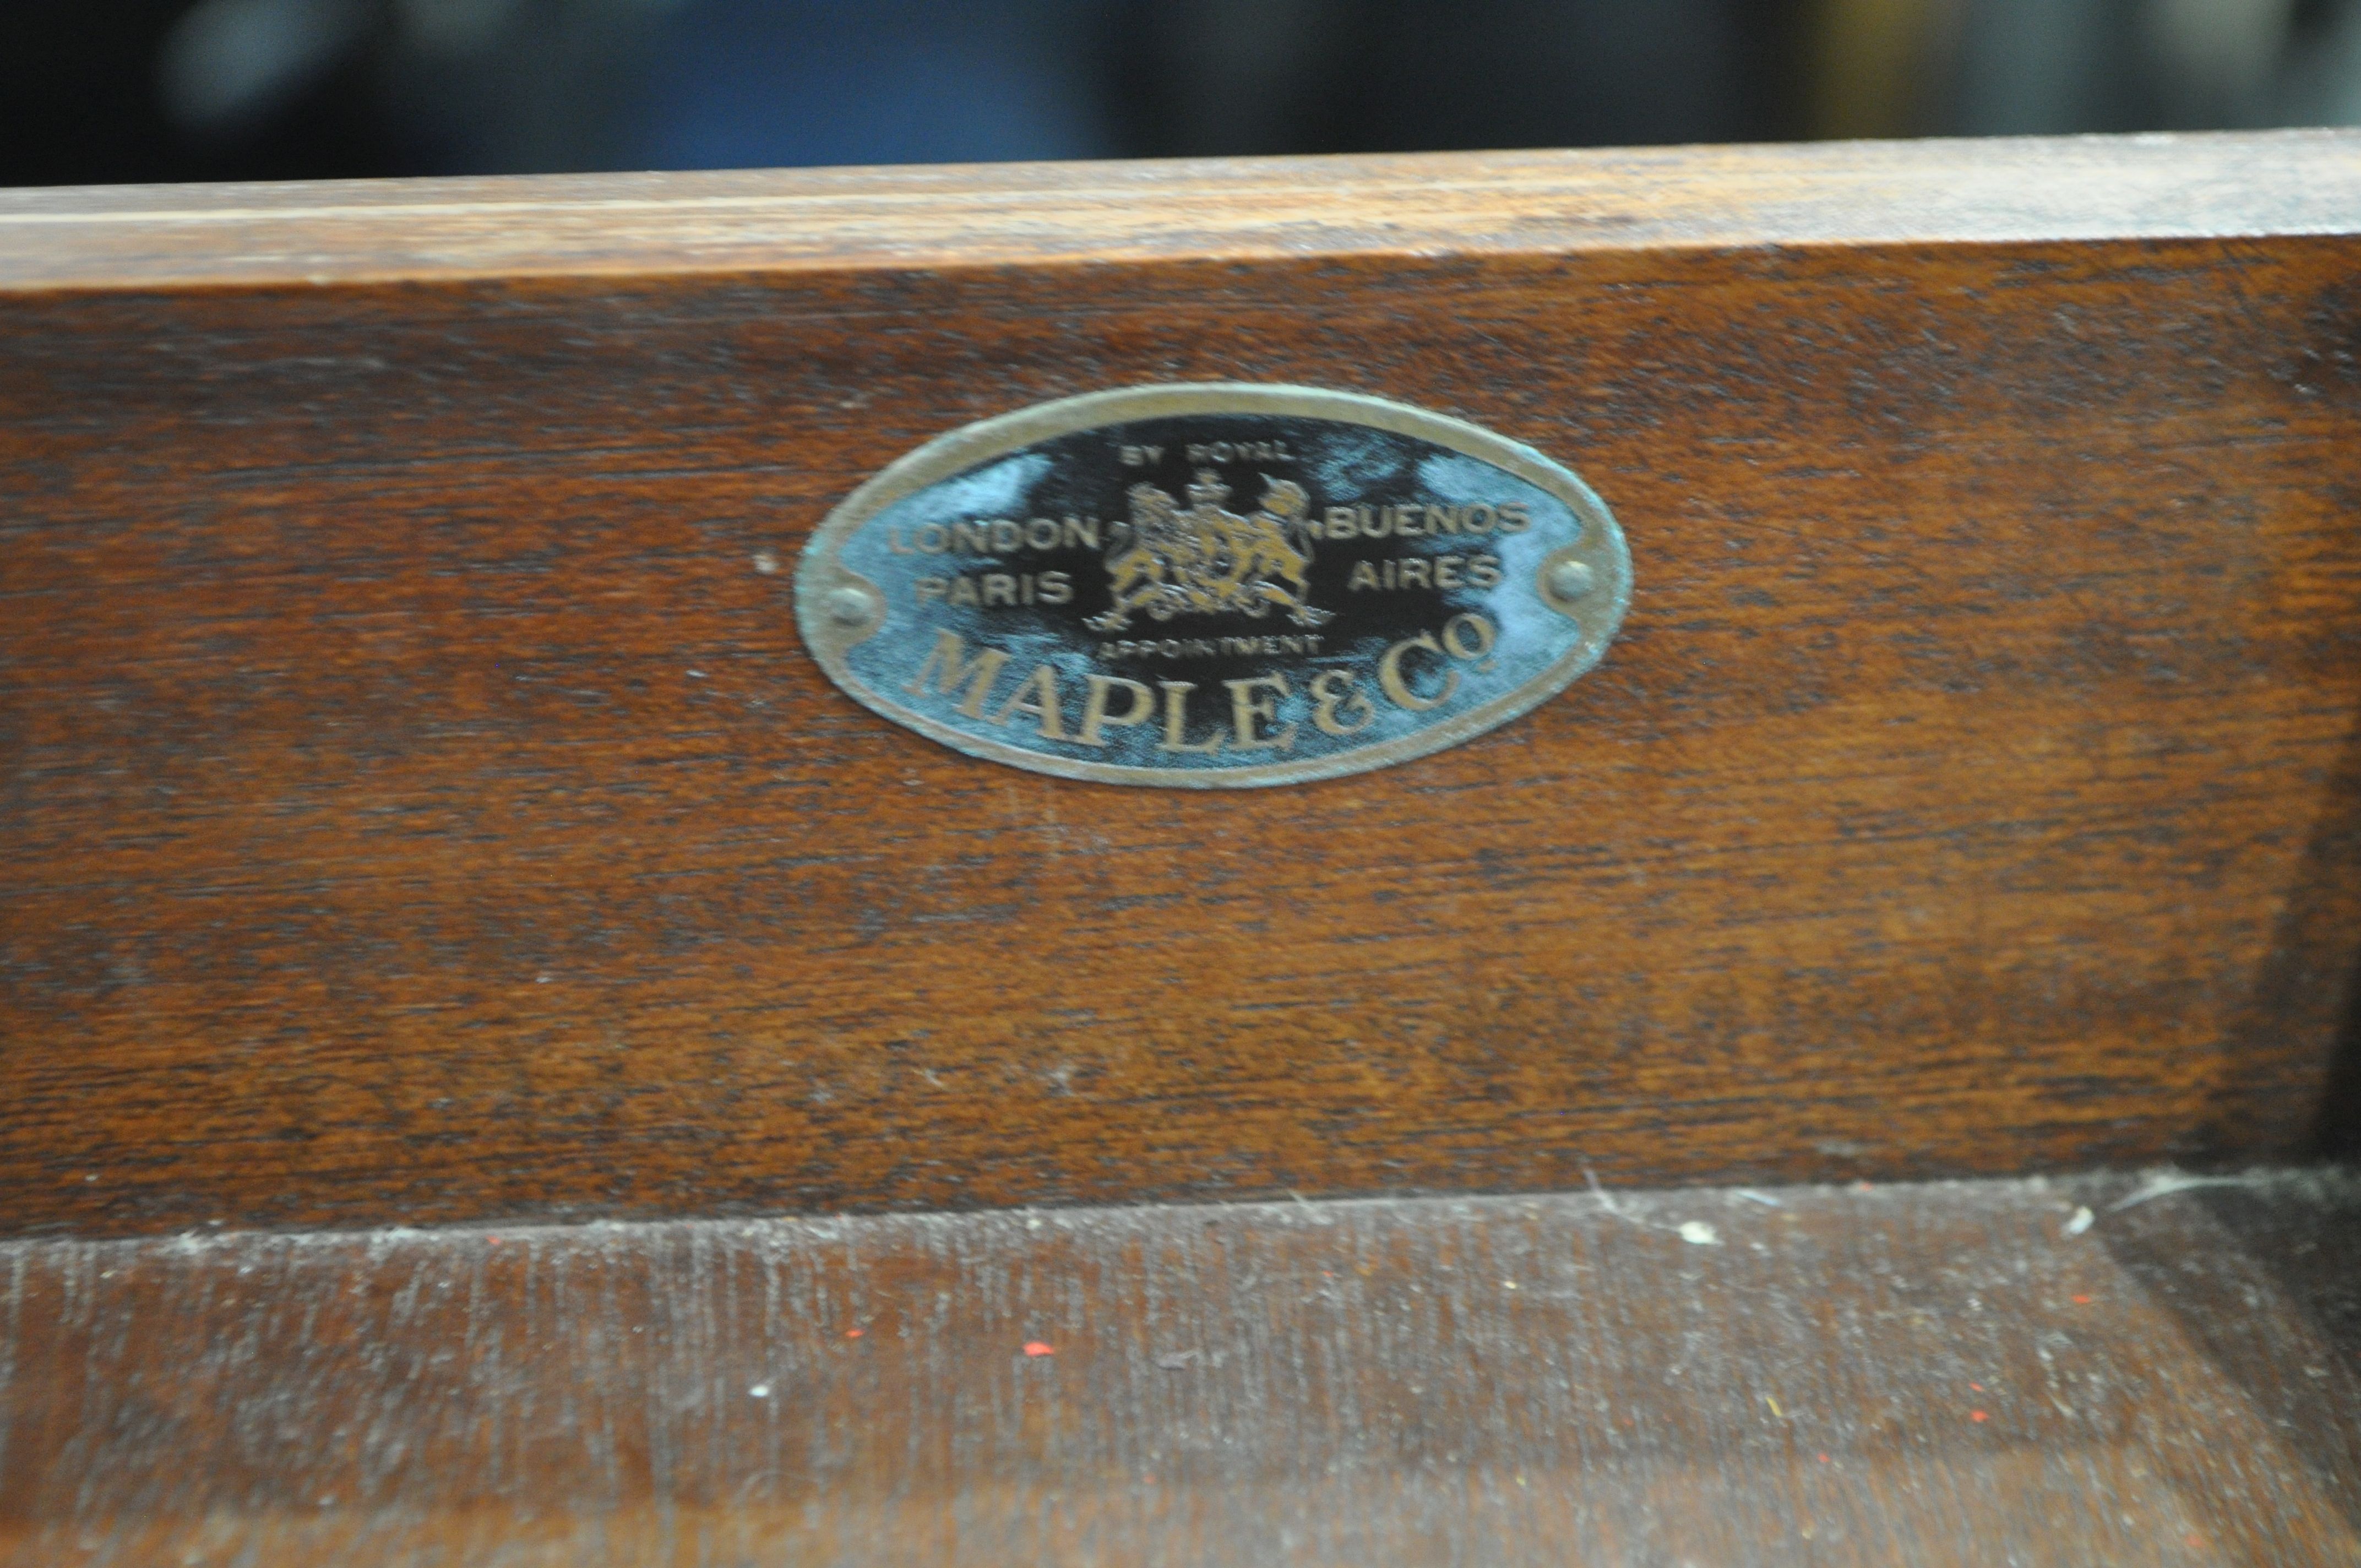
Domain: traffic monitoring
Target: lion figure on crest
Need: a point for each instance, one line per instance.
(1205, 560)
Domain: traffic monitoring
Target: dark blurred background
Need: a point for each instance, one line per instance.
(107, 91)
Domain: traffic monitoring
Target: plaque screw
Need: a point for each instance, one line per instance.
(1570, 580)
(851, 607)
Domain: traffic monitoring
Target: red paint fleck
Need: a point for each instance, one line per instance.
(1035, 1347)
(854, 1333)
(1977, 1387)
(2081, 1300)
(1824, 1459)
(1978, 1416)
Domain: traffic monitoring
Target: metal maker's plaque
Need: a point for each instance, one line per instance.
(1213, 587)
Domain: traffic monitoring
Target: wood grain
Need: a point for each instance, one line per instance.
(418, 807)
(1968, 1373)
(1264, 209)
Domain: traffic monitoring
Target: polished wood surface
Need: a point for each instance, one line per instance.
(418, 806)
(1238, 210)
(2086, 1372)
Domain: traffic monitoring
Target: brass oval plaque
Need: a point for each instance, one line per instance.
(1214, 586)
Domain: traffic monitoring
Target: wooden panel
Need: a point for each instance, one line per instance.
(1969, 1373)
(1261, 209)
(419, 807)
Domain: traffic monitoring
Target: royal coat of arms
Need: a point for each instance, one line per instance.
(1207, 560)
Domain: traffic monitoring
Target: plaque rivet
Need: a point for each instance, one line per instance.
(1570, 580)
(852, 606)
